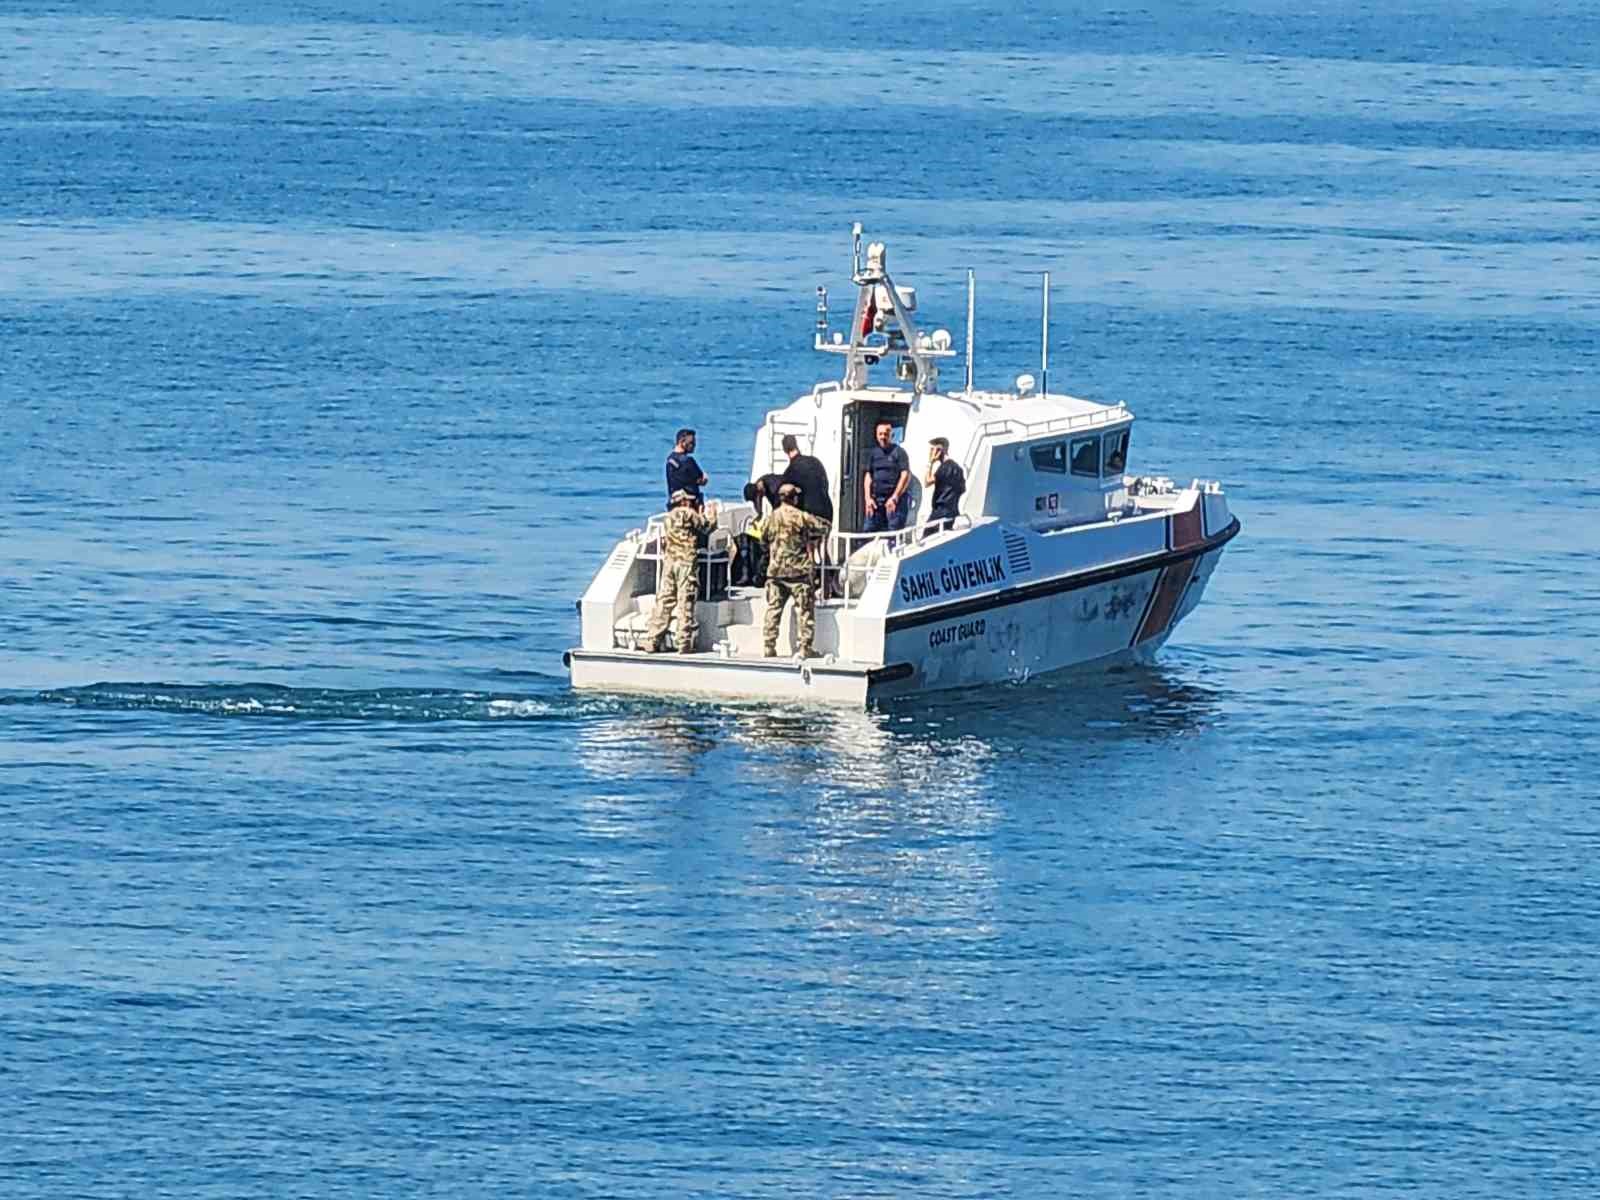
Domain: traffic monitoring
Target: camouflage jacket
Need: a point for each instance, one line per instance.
(680, 533)
(790, 535)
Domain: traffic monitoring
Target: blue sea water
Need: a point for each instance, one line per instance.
(338, 341)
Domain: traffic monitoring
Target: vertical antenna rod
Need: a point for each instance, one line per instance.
(1044, 342)
(972, 292)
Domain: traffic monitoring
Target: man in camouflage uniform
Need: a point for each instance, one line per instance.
(790, 534)
(678, 577)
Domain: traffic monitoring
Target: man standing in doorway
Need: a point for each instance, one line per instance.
(884, 482)
(683, 473)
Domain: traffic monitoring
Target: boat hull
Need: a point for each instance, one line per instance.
(1052, 626)
(1106, 615)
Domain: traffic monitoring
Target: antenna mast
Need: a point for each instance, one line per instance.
(1044, 341)
(972, 292)
(882, 326)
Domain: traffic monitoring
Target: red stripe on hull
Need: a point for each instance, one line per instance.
(1165, 599)
(1186, 529)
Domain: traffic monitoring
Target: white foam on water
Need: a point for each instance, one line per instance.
(518, 708)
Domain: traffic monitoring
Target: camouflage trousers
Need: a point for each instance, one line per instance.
(677, 586)
(804, 593)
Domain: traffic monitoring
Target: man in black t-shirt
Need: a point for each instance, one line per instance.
(947, 480)
(683, 473)
(808, 474)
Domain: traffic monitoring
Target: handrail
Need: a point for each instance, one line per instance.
(837, 569)
(1059, 424)
(776, 426)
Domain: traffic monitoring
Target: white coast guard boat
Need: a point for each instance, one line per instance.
(1059, 557)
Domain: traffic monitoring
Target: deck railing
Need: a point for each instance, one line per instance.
(842, 581)
(845, 581)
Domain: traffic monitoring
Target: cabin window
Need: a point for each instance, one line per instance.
(1086, 457)
(1050, 457)
(1116, 452)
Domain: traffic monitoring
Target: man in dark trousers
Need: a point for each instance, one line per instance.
(683, 473)
(807, 473)
(884, 482)
(948, 482)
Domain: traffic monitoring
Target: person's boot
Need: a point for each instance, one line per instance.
(770, 652)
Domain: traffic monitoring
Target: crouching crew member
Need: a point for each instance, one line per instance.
(791, 533)
(748, 567)
(948, 481)
(678, 579)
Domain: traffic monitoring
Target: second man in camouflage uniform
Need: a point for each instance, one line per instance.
(790, 535)
(678, 580)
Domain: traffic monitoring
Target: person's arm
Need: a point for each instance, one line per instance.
(901, 483)
(703, 480)
(866, 488)
(817, 528)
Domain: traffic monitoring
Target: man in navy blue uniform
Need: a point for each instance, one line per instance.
(884, 482)
(683, 473)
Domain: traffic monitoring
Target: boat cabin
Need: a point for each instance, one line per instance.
(1044, 462)
(1031, 459)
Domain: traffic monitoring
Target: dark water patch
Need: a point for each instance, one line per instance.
(1430, 31)
(730, 160)
(151, 1001)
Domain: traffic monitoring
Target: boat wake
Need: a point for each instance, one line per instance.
(269, 701)
(1133, 700)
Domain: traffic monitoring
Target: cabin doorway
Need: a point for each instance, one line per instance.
(861, 419)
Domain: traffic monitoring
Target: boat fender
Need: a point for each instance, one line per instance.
(805, 674)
